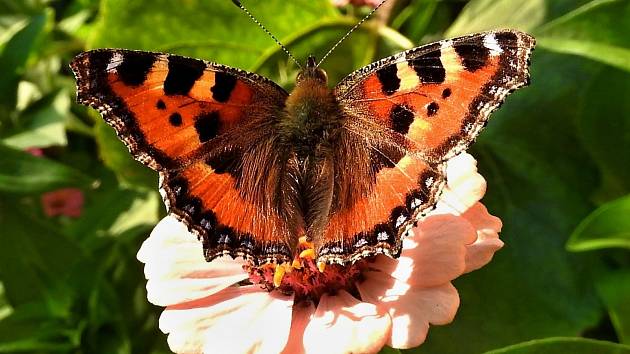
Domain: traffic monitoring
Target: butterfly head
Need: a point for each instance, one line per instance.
(312, 72)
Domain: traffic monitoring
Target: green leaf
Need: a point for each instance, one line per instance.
(607, 54)
(9, 26)
(598, 30)
(613, 289)
(564, 345)
(112, 212)
(34, 260)
(416, 18)
(604, 129)
(608, 226)
(5, 307)
(44, 125)
(116, 157)
(30, 328)
(483, 15)
(217, 31)
(21, 172)
(319, 38)
(14, 55)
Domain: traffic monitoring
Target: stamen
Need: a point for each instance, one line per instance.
(305, 277)
(278, 274)
(305, 243)
(308, 253)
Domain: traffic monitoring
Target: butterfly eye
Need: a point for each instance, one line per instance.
(315, 74)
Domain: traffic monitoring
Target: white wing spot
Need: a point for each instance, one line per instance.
(491, 43)
(115, 61)
(400, 220)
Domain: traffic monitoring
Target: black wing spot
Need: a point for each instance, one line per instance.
(473, 56)
(135, 67)
(175, 119)
(388, 77)
(386, 156)
(182, 75)
(432, 109)
(224, 84)
(401, 118)
(446, 93)
(506, 39)
(160, 105)
(207, 125)
(429, 67)
(227, 161)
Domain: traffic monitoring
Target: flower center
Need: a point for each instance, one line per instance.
(306, 278)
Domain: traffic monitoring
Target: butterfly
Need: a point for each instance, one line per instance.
(252, 169)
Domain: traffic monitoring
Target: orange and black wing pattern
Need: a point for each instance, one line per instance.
(187, 119)
(413, 111)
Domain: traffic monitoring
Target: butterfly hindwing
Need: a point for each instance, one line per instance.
(209, 201)
(412, 112)
(400, 192)
(187, 118)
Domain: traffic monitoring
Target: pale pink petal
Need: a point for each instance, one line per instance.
(176, 269)
(65, 201)
(464, 187)
(434, 254)
(39, 152)
(343, 324)
(411, 308)
(234, 320)
(488, 227)
(302, 314)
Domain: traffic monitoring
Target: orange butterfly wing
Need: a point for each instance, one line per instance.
(187, 118)
(413, 111)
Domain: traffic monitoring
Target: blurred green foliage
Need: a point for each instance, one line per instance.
(556, 157)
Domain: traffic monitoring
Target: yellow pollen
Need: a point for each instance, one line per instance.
(296, 264)
(307, 253)
(305, 243)
(321, 266)
(278, 274)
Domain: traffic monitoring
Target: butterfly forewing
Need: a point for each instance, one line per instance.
(437, 97)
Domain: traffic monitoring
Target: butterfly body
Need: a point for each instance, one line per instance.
(251, 168)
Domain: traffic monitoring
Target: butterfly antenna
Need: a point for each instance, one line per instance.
(351, 30)
(240, 6)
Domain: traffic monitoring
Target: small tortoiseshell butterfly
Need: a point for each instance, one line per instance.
(251, 168)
